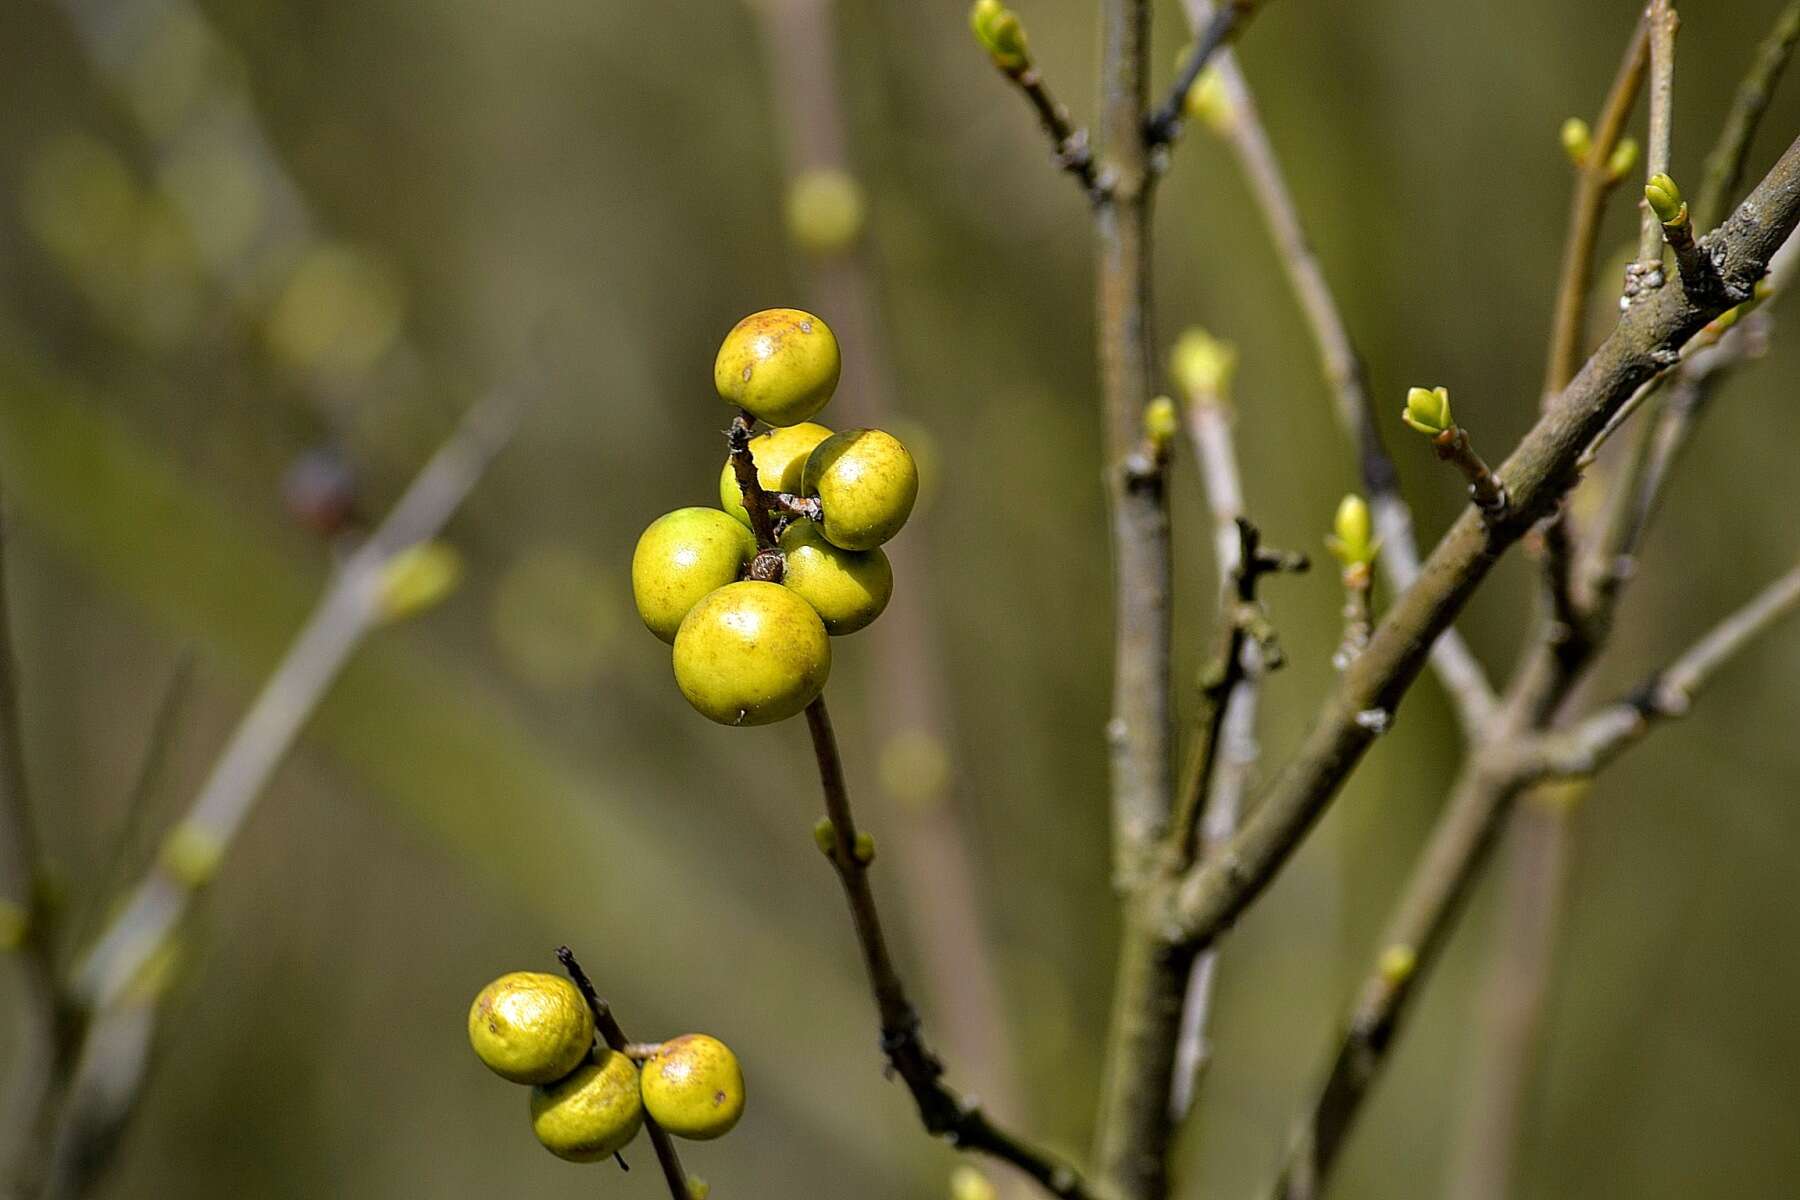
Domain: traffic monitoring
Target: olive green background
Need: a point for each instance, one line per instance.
(594, 187)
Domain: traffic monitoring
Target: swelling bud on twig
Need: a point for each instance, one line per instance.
(693, 1087)
(968, 1183)
(1208, 101)
(1665, 200)
(825, 211)
(1202, 365)
(1624, 160)
(780, 365)
(998, 30)
(681, 558)
(1161, 423)
(751, 653)
(866, 482)
(419, 578)
(1428, 411)
(1577, 141)
(191, 855)
(780, 458)
(531, 1027)
(593, 1113)
(1352, 540)
(847, 588)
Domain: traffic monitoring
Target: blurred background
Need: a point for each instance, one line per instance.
(235, 233)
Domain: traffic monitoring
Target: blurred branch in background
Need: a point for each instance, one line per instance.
(121, 978)
(1508, 1046)
(39, 1069)
(944, 909)
(1238, 122)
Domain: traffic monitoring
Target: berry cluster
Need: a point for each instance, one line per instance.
(588, 1101)
(749, 600)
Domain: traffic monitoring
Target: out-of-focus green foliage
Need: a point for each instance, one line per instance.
(596, 190)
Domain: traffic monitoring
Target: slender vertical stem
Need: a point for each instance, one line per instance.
(1661, 21)
(1593, 183)
(610, 1033)
(944, 905)
(1133, 1128)
(1456, 665)
(943, 1112)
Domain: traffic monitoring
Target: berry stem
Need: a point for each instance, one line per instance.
(944, 1112)
(756, 501)
(615, 1038)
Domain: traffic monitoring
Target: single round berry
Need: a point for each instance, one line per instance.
(751, 653)
(530, 1027)
(866, 482)
(593, 1113)
(780, 458)
(780, 364)
(694, 1088)
(680, 558)
(847, 588)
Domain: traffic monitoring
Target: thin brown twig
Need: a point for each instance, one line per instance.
(344, 616)
(1227, 20)
(1661, 21)
(944, 1113)
(1648, 339)
(676, 1176)
(1594, 182)
(943, 905)
(1457, 667)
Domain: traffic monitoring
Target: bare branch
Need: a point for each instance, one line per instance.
(674, 1174)
(1662, 22)
(944, 1113)
(348, 611)
(1456, 665)
(1669, 693)
(1226, 21)
(1647, 340)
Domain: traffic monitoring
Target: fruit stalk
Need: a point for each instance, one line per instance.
(756, 501)
(943, 1111)
(613, 1036)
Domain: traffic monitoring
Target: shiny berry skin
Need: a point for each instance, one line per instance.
(781, 365)
(866, 482)
(751, 653)
(680, 558)
(847, 588)
(693, 1087)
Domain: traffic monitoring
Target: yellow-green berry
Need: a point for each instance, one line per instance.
(681, 558)
(780, 458)
(751, 653)
(1428, 410)
(825, 210)
(591, 1114)
(847, 588)
(531, 1027)
(781, 365)
(866, 482)
(693, 1087)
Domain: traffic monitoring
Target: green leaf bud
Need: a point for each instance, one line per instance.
(1665, 200)
(1202, 365)
(1577, 141)
(1428, 410)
